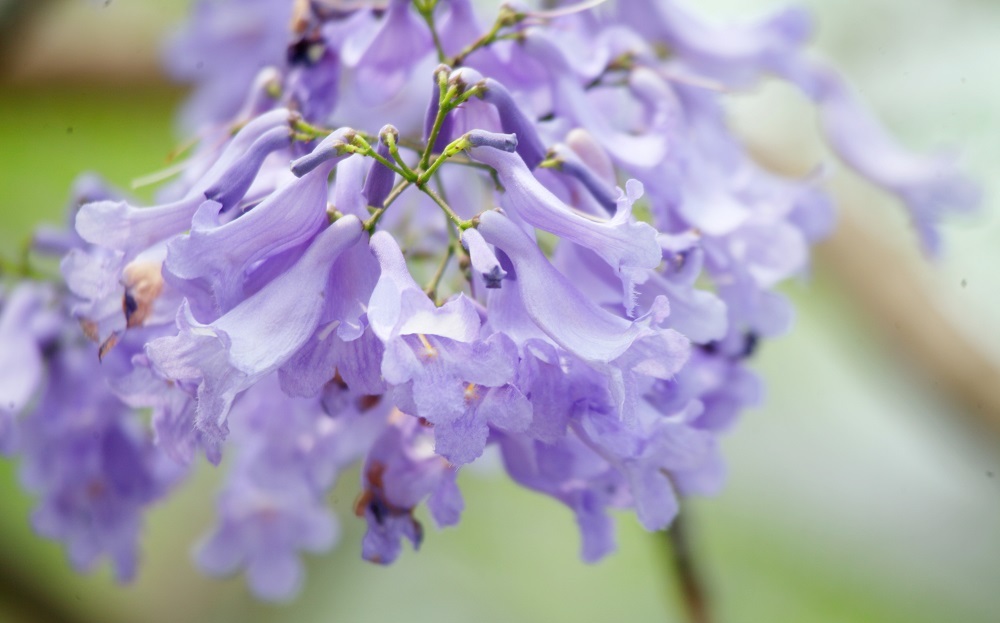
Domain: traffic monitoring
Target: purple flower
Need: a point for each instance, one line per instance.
(596, 336)
(219, 256)
(221, 49)
(483, 260)
(379, 181)
(570, 100)
(383, 53)
(28, 326)
(121, 227)
(273, 504)
(574, 475)
(624, 350)
(734, 53)
(512, 118)
(440, 368)
(92, 466)
(257, 336)
(931, 186)
(173, 412)
(399, 473)
(571, 320)
(628, 246)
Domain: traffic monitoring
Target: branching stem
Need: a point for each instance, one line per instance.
(390, 141)
(446, 94)
(360, 146)
(432, 286)
(426, 10)
(372, 221)
(507, 17)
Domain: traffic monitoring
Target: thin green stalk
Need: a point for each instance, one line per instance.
(432, 286)
(306, 128)
(372, 221)
(474, 90)
(446, 93)
(361, 146)
(427, 12)
(507, 17)
(390, 141)
(455, 218)
(453, 148)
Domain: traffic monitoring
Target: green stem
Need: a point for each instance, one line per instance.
(475, 90)
(369, 225)
(390, 141)
(446, 94)
(453, 148)
(431, 289)
(507, 17)
(427, 12)
(452, 216)
(307, 129)
(361, 146)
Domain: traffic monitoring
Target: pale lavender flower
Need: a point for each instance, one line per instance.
(441, 369)
(221, 49)
(29, 326)
(273, 504)
(121, 227)
(735, 53)
(217, 256)
(931, 186)
(383, 52)
(483, 259)
(93, 467)
(257, 336)
(626, 245)
(402, 471)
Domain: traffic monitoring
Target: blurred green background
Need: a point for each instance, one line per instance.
(867, 489)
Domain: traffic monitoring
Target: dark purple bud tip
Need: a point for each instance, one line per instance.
(329, 148)
(483, 259)
(494, 278)
(482, 138)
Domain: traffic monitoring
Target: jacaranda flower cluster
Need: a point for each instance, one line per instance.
(411, 233)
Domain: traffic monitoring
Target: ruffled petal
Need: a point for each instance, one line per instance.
(570, 319)
(628, 246)
(258, 335)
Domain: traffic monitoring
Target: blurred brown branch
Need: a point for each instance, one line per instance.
(689, 580)
(30, 601)
(895, 299)
(890, 292)
(83, 42)
(14, 19)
